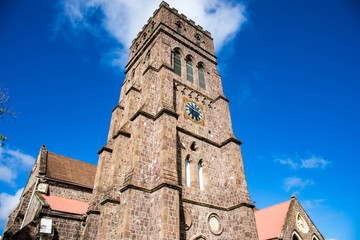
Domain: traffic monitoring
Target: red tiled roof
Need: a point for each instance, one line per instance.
(66, 205)
(70, 170)
(270, 220)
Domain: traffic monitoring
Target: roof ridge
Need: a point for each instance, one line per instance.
(71, 158)
(274, 206)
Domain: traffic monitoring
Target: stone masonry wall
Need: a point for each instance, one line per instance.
(66, 229)
(141, 182)
(290, 223)
(235, 224)
(16, 217)
(70, 191)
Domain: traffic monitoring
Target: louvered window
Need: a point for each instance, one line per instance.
(189, 70)
(177, 63)
(201, 77)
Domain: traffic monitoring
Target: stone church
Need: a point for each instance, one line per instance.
(171, 168)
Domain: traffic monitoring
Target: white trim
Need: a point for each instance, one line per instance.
(201, 178)
(297, 235)
(187, 172)
(314, 237)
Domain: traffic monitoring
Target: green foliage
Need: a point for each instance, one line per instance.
(2, 140)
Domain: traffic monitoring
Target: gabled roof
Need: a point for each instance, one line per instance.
(70, 170)
(66, 205)
(270, 220)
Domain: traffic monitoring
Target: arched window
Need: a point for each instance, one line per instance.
(189, 70)
(133, 77)
(201, 77)
(177, 63)
(295, 236)
(314, 237)
(187, 172)
(201, 179)
(178, 25)
(148, 59)
(197, 40)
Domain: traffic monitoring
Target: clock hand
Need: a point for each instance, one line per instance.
(194, 109)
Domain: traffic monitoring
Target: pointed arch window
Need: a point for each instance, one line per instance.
(189, 70)
(148, 59)
(295, 236)
(314, 237)
(178, 25)
(197, 40)
(201, 178)
(133, 77)
(177, 63)
(201, 77)
(187, 172)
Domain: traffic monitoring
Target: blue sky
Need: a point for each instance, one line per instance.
(289, 68)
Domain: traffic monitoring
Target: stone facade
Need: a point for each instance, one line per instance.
(163, 174)
(140, 190)
(24, 221)
(291, 228)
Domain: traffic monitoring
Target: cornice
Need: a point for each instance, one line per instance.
(162, 185)
(219, 145)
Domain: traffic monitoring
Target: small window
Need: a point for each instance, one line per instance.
(148, 59)
(189, 70)
(193, 146)
(187, 172)
(177, 63)
(198, 40)
(201, 77)
(201, 180)
(178, 28)
(133, 77)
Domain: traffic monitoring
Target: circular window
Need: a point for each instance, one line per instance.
(214, 224)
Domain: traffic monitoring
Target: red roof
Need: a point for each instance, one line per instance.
(66, 205)
(270, 220)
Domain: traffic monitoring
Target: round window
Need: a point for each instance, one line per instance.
(214, 224)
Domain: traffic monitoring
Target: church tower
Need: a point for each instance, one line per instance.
(171, 167)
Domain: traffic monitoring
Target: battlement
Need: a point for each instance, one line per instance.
(176, 12)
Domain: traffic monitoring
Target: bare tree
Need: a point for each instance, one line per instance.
(5, 109)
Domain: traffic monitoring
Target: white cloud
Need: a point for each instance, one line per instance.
(288, 161)
(314, 162)
(123, 19)
(296, 162)
(12, 162)
(8, 203)
(7, 175)
(297, 183)
(311, 204)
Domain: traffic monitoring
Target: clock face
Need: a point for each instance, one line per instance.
(193, 111)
